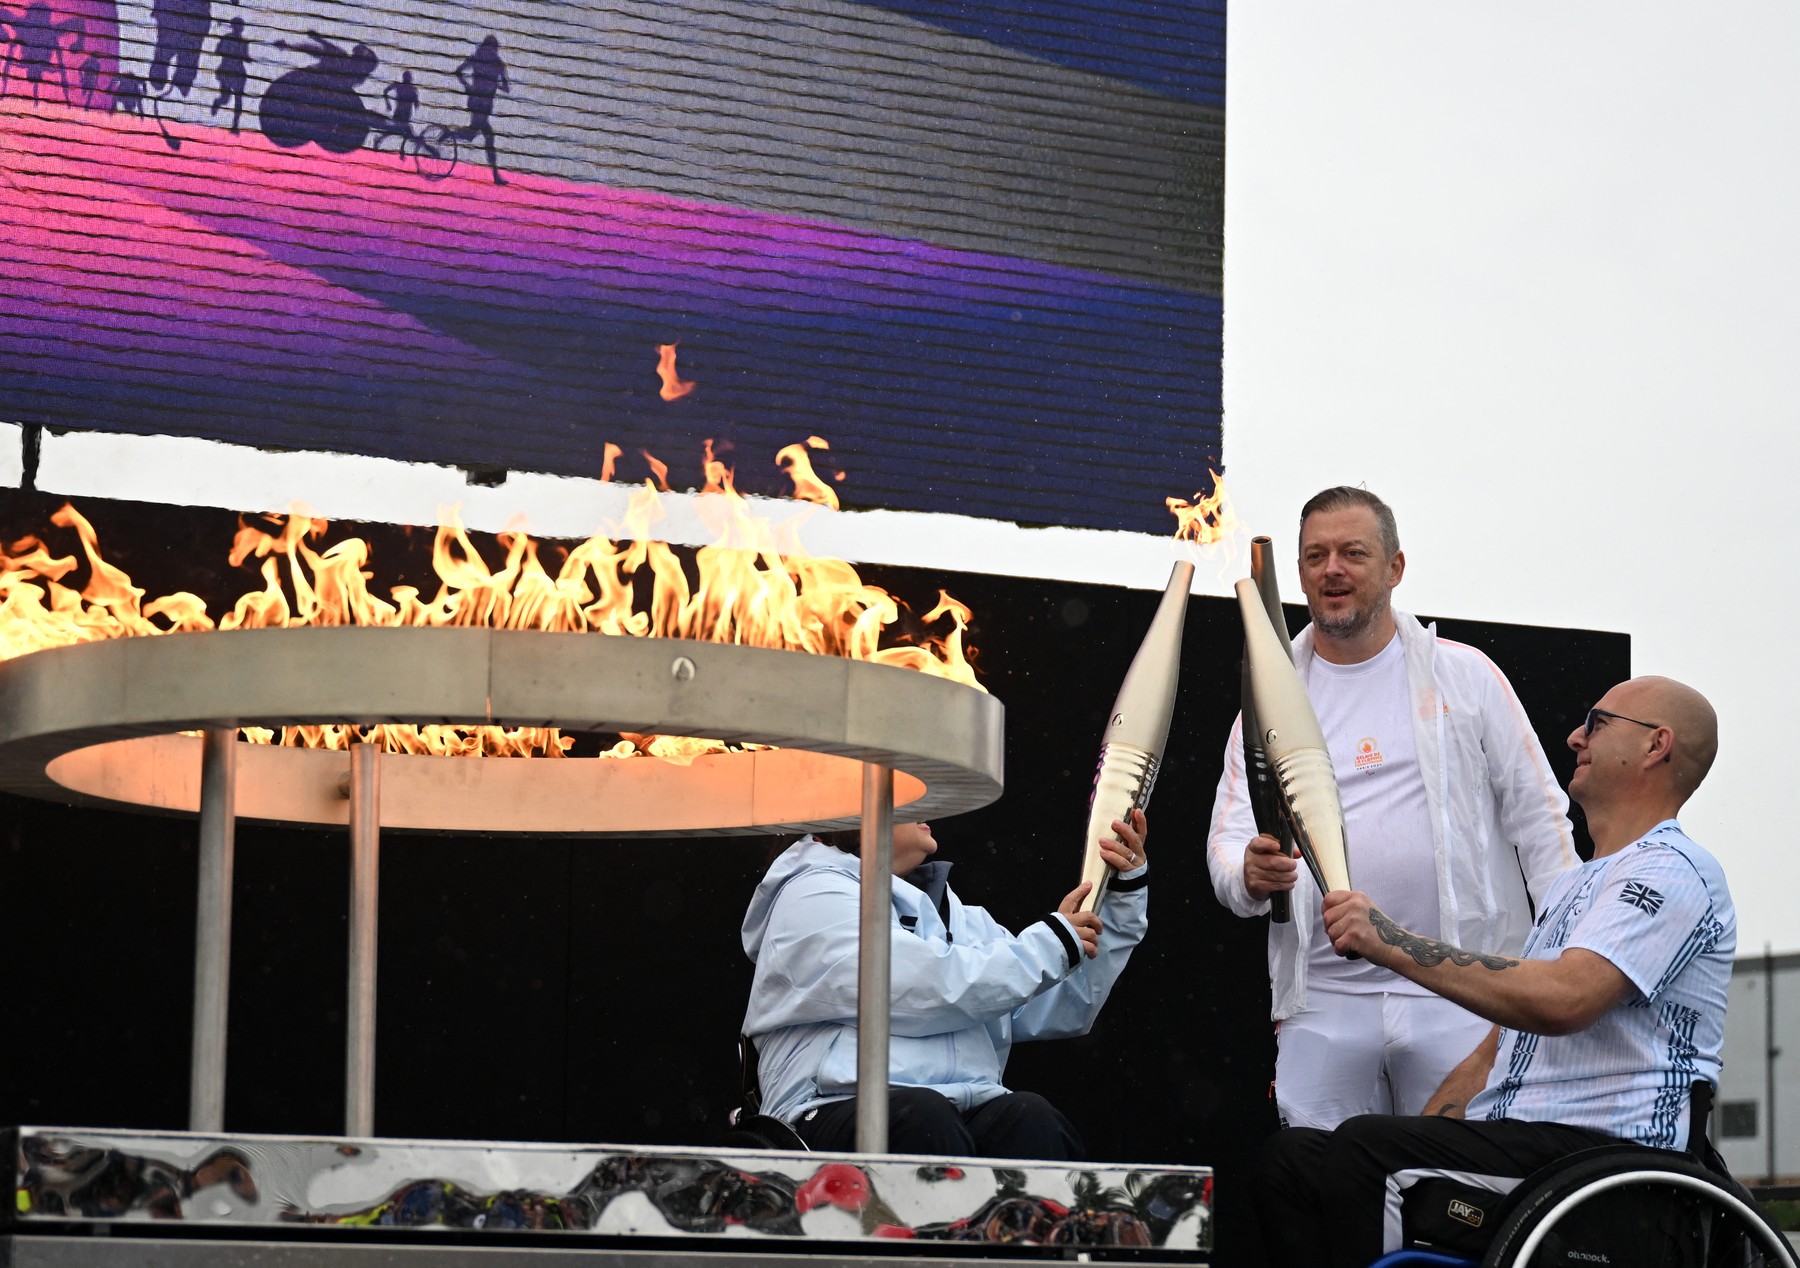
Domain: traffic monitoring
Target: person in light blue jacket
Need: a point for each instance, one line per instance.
(964, 990)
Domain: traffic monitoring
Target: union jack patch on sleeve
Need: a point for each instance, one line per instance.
(1641, 895)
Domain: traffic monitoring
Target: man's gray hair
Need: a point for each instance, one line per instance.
(1342, 498)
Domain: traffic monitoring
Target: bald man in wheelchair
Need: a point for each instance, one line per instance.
(1614, 1010)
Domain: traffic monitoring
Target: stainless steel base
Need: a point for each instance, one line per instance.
(134, 1252)
(314, 1196)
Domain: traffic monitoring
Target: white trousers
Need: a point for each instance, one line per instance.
(1367, 1053)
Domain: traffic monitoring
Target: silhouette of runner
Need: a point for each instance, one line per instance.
(482, 75)
(181, 30)
(233, 52)
(402, 99)
(319, 103)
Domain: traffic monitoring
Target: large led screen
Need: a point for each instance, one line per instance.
(974, 247)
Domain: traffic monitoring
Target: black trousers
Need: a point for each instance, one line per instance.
(1333, 1198)
(920, 1121)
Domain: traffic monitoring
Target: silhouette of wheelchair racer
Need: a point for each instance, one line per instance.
(319, 103)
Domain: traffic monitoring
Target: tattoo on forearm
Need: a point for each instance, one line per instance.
(1429, 952)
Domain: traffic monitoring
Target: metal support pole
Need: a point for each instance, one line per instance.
(1770, 1052)
(212, 929)
(364, 792)
(874, 1005)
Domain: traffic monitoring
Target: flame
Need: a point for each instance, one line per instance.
(718, 475)
(674, 387)
(613, 454)
(681, 750)
(740, 589)
(1208, 518)
(807, 486)
(659, 470)
(38, 611)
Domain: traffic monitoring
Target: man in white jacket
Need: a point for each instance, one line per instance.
(1452, 816)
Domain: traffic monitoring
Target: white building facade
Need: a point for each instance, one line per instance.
(1756, 1122)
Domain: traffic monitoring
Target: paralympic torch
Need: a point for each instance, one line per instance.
(1295, 745)
(1265, 799)
(1131, 749)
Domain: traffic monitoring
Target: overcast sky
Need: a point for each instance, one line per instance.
(1529, 270)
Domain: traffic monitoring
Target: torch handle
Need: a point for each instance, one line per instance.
(1122, 783)
(1265, 799)
(1265, 794)
(1313, 865)
(1265, 804)
(1294, 837)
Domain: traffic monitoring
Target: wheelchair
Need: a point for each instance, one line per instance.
(1625, 1205)
(750, 1127)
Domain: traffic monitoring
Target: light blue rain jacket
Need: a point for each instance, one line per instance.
(964, 989)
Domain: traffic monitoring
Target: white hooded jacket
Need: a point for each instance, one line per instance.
(1499, 820)
(963, 987)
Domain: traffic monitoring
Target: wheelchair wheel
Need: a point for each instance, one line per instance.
(759, 1131)
(1645, 1211)
(434, 152)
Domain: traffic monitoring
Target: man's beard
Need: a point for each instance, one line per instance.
(1351, 623)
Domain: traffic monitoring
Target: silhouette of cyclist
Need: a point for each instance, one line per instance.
(402, 99)
(482, 75)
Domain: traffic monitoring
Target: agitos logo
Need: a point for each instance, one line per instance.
(1368, 754)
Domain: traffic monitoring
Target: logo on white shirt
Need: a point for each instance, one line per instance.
(1640, 895)
(1368, 753)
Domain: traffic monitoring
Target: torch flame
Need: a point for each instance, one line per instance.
(1208, 518)
(741, 589)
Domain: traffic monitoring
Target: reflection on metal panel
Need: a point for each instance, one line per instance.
(187, 1252)
(65, 1176)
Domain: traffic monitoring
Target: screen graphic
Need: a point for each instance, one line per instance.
(976, 249)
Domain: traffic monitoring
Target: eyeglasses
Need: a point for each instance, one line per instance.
(1595, 717)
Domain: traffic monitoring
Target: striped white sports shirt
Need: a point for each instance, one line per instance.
(1660, 911)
